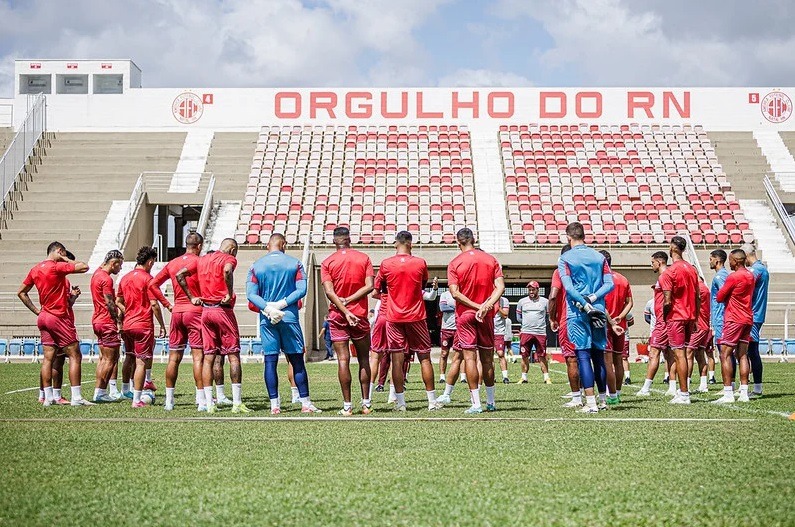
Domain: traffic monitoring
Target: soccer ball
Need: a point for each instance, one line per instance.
(148, 397)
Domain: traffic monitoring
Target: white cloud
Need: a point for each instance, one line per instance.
(231, 43)
(610, 42)
(483, 77)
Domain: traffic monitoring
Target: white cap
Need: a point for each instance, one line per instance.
(747, 248)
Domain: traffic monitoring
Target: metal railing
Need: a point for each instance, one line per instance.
(780, 209)
(132, 208)
(207, 206)
(21, 147)
(692, 255)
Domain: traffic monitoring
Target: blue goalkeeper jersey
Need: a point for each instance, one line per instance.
(584, 272)
(759, 299)
(274, 277)
(716, 307)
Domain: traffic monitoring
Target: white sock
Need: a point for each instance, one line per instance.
(591, 400)
(77, 395)
(346, 405)
(577, 398)
(442, 377)
(201, 400)
(448, 389)
(758, 387)
(504, 374)
(56, 392)
(137, 396)
(169, 395)
(305, 402)
(728, 391)
(671, 386)
(431, 394)
(475, 397)
(112, 386)
(237, 393)
(372, 389)
(602, 397)
(365, 402)
(392, 394)
(48, 395)
(96, 392)
(148, 375)
(744, 389)
(702, 382)
(626, 375)
(274, 403)
(125, 387)
(618, 393)
(684, 394)
(293, 392)
(489, 394)
(401, 399)
(41, 393)
(712, 374)
(647, 385)
(524, 376)
(208, 395)
(546, 376)
(462, 378)
(219, 392)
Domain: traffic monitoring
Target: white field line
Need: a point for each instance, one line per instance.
(36, 387)
(701, 399)
(376, 419)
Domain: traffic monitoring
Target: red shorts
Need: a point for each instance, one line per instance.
(659, 336)
(220, 334)
(734, 333)
(139, 342)
(679, 333)
(527, 341)
(499, 342)
(408, 337)
(56, 331)
(186, 327)
(471, 334)
(107, 335)
(378, 335)
(699, 339)
(340, 330)
(446, 338)
(566, 345)
(616, 343)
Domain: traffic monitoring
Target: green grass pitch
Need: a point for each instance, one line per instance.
(530, 463)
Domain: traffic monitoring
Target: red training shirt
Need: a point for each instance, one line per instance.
(212, 283)
(659, 299)
(405, 277)
(49, 277)
(706, 312)
(187, 261)
(347, 270)
(616, 299)
(134, 291)
(101, 284)
(474, 272)
(737, 293)
(681, 279)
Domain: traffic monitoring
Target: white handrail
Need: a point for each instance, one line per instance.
(204, 217)
(132, 207)
(780, 210)
(691, 252)
(21, 147)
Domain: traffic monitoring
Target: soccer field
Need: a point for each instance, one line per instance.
(530, 463)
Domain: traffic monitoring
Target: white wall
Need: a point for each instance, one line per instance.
(248, 109)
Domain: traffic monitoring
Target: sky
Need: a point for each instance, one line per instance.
(314, 43)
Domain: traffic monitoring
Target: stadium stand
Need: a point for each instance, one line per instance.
(376, 180)
(628, 184)
(64, 202)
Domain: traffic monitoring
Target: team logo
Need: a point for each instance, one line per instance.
(776, 107)
(187, 108)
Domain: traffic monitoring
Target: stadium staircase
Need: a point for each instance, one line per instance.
(781, 162)
(68, 200)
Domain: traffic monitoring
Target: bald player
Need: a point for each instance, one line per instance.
(475, 281)
(738, 319)
(57, 329)
(347, 278)
(220, 332)
(186, 319)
